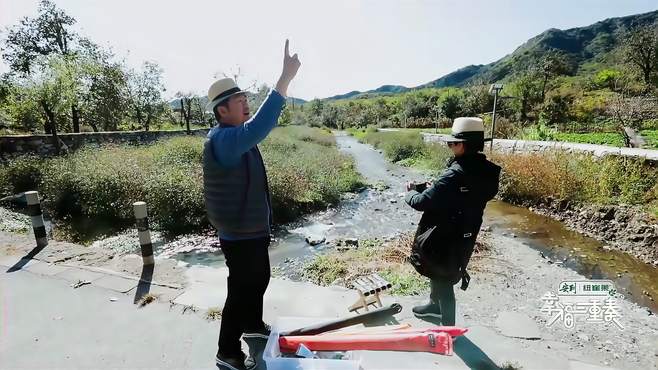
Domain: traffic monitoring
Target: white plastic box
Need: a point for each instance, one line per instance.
(272, 353)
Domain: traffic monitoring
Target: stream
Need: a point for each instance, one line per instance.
(380, 212)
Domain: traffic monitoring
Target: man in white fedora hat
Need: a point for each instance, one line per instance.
(452, 215)
(238, 204)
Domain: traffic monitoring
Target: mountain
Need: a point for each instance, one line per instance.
(386, 89)
(583, 46)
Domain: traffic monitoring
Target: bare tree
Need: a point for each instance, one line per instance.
(629, 112)
(641, 52)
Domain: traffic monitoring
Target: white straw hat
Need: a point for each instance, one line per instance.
(466, 129)
(221, 90)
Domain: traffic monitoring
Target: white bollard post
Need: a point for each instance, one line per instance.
(141, 218)
(34, 211)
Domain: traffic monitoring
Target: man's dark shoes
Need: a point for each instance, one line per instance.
(262, 333)
(428, 310)
(234, 362)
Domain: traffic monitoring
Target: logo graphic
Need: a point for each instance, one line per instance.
(594, 299)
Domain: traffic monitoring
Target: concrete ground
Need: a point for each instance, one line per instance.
(48, 324)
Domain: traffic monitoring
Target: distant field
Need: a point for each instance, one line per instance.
(608, 138)
(651, 136)
(601, 138)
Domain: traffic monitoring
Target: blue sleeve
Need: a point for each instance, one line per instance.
(229, 143)
(436, 196)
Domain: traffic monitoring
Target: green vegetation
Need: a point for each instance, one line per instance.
(306, 172)
(407, 149)
(651, 136)
(602, 138)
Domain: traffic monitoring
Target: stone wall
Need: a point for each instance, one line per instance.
(43, 145)
(522, 146)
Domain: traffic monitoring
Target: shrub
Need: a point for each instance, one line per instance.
(531, 178)
(397, 146)
(306, 172)
(21, 175)
(306, 175)
(539, 132)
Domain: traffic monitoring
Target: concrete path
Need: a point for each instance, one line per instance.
(46, 323)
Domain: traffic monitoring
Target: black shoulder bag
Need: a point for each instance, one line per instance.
(442, 251)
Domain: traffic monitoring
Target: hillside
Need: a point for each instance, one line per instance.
(584, 46)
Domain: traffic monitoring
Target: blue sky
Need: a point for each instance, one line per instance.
(343, 45)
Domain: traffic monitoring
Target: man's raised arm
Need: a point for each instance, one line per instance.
(231, 142)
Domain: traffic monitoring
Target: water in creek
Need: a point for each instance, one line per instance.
(576, 251)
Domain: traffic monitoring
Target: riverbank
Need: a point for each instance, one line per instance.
(612, 199)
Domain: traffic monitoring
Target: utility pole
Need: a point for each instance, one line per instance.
(494, 89)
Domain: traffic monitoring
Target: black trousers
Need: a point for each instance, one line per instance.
(248, 264)
(443, 295)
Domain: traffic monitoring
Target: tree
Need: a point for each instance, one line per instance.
(630, 112)
(285, 119)
(415, 105)
(50, 89)
(450, 104)
(329, 116)
(191, 109)
(19, 108)
(641, 52)
(554, 63)
(48, 33)
(607, 79)
(477, 100)
(527, 89)
(557, 107)
(102, 97)
(145, 95)
(106, 97)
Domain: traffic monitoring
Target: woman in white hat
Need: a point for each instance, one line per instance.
(452, 215)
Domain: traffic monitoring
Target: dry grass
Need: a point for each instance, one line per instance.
(190, 308)
(398, 250)
(508, 365)
(214, 314)
(386, 258)
(533, 178)
(147, 299)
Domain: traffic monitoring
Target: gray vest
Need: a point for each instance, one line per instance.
(237, 199)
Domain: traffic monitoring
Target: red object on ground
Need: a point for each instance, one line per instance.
(410, 342)
(453, 331)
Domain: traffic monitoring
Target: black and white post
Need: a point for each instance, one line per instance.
(141, 218)
(34, 211)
